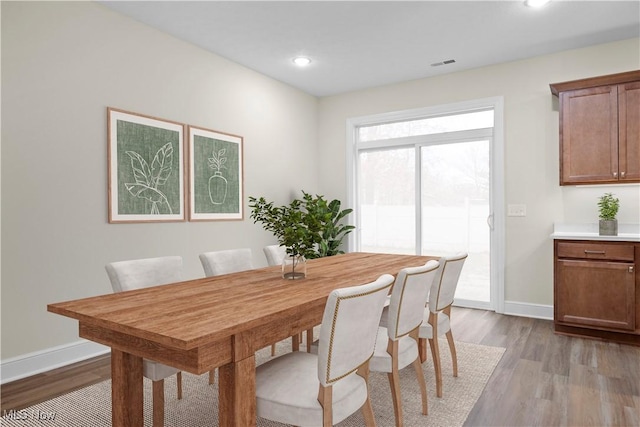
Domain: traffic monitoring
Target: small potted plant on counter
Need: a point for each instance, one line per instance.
(608, 206)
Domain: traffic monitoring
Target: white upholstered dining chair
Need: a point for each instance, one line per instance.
(437, 315)
(274, 254)
(226, 261)
(306, 389)
(143, 273)
(397, 343)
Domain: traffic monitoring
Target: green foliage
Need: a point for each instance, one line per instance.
(608, 206)
(310, 227)
(326, 218)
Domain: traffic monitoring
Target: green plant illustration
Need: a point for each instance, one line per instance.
(148, 179)
(608, 206)
(217, 183)
(217, 161)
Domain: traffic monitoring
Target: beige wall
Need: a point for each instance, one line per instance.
(531, 148)
(63, 63)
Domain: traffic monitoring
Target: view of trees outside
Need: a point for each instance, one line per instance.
(455, 207)
(455, 195)
(386, 189)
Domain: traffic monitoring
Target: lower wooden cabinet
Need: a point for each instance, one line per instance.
(597, 288)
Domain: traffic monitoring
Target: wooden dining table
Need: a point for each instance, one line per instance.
(215, 322)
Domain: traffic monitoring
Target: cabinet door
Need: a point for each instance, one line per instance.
(629, 131)
(595, 293)
(589, 135)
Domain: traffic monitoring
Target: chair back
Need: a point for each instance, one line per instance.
(227, 261)
(143, 273)
(275, 254)
(349, 328)
(444, 286)
(409, 297)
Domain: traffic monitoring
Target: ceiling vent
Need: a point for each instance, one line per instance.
(447, 62)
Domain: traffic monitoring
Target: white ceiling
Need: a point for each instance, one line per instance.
(360, 44)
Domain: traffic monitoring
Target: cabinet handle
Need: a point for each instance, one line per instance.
(622, 174)
(594, 252)
(631, 269)
(615, 174)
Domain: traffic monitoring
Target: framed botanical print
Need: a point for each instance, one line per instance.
(215, 175)
(145, 167)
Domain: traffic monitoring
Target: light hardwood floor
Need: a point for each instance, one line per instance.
(543, 379)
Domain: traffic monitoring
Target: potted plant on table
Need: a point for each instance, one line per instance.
(288, 225)
(608, 206)
(307, 228)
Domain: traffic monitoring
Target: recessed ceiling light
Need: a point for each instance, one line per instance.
(301, 61)
(536, 3)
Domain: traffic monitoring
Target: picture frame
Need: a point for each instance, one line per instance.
(145, 168)
(216, 175)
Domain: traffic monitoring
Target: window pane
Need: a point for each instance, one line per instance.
(386, 188)
(428, 126)
(455, 207)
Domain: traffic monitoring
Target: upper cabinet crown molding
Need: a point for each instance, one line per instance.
(600, 129)
(611, 79)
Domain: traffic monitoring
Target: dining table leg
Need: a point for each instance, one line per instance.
(127, 398)
(237, 393)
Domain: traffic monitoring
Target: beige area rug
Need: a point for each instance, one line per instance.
(91, 406)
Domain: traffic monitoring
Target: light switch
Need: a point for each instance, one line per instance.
(516, 210)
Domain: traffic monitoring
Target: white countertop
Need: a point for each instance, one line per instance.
(626, 232)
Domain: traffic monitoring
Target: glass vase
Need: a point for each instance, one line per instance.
(294, 267)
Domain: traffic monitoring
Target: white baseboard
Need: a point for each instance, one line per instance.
(30, 364)
(523, 309)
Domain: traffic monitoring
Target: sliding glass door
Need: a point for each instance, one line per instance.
(425, 186)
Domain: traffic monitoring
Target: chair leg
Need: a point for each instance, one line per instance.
(417, 365)
(326, 400)
(394, 382)
(454, 357)
(422, 349)
(158, 403)
(367, 413)
(179, 384)
(309, 339)
(273, 349)
(423, 385)
(367, 409)
(435, 354)
(212, 376)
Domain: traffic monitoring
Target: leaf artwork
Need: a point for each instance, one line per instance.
(148, 179)
(161, 165)
(217, 161)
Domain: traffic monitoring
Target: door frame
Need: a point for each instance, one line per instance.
(496, 219)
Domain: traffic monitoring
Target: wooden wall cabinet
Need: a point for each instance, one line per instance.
(600, 129)
(597, 289)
